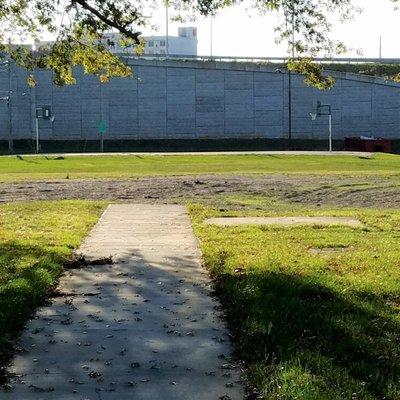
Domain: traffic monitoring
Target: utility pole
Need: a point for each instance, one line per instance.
(7, 99)
(290, 81)
(380, 47)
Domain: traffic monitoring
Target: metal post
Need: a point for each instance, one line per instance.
(380, 47)
(37, 135)
(319, 112)
(293, 33)
(10, 127)
(102, 119)
(166, 29)
(290, 109)
(211, 33)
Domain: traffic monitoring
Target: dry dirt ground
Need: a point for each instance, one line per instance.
(332, 190)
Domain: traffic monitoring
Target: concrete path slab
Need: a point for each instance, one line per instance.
(144, 328)
(286, 221)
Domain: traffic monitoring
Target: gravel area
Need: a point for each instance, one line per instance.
(369, 191)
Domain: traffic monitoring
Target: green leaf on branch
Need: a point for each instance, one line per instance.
(313, 73)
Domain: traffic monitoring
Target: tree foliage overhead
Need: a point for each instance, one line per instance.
(79, 24)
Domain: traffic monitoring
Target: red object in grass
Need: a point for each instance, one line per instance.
(368, 144)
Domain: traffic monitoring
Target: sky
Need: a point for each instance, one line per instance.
(238, 32)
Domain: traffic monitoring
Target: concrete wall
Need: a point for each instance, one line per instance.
(182, 99)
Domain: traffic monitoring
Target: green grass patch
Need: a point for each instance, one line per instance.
(35, 240)
(310, 323)
(109, 166)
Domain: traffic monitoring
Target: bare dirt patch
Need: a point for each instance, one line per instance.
(369, 191)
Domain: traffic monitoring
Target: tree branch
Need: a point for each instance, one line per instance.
(84, 4)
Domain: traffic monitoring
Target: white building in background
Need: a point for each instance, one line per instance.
(183, 44)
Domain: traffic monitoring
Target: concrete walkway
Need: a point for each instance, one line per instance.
(144, 328)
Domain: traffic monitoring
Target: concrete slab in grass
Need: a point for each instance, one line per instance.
(286, 221)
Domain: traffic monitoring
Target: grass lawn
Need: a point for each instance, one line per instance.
(314, 310)
(35, 240)
(29, 168)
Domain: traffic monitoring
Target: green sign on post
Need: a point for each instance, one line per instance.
(102, 131)
(102, 127)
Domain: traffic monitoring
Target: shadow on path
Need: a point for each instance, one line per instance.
(144, 328)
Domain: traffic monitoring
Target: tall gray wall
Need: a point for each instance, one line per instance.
(181, 99)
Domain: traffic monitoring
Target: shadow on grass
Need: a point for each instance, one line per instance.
(22, 289)
(303, 340)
